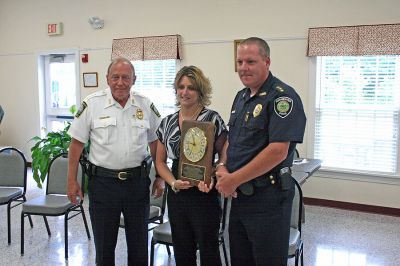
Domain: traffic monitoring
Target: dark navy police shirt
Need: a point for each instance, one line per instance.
(274, 114)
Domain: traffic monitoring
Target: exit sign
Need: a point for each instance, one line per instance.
(54, 28)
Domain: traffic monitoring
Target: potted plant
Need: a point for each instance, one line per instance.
(45, 149)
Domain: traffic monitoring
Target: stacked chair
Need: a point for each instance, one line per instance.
(55, 202)
(13, 173)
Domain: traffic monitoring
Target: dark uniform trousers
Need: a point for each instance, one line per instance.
(259, 227)
(194, 218)
(108, 197)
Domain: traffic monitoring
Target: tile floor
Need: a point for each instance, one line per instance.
(332, 238)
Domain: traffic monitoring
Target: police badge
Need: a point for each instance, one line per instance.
(257, 110)
(139, 114)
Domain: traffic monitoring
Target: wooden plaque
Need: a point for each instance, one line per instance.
(196, 151)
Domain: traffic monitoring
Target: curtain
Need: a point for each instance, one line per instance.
(354, 40)
(148, 48)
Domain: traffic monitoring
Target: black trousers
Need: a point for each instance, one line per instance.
(194, 218)
(108, 198)
(259, 227)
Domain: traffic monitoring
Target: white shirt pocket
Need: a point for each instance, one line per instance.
(105, 130)
(140, 128)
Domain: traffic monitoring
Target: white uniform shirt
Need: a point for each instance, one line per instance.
(118, 136)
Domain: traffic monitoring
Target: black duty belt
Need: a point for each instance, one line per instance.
(121, 174)
(269, 179)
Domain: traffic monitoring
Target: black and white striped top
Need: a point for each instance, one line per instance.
(169, 132)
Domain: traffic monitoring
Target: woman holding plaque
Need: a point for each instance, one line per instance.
(194, 211)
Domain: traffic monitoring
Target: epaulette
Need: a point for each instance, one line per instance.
(84, 103)
(138, 94)
(95, 94)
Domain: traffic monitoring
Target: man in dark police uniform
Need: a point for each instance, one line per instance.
(267, 121)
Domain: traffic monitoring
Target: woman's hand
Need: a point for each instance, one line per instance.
(180, 184)
(203, 186)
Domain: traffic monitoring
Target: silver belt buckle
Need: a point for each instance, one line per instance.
(122, 176)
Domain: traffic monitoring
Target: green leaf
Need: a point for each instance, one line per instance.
(73, 109)
(45, 149)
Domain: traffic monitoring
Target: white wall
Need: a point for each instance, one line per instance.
(208, 29)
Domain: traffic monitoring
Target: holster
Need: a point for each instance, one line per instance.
(85, 165)
(286, 181)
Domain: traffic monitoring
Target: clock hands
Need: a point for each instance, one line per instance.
(194, 141)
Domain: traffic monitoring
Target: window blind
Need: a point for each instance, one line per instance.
(155, 80)
(357, 113)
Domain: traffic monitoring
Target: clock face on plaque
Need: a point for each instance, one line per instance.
(194, 144)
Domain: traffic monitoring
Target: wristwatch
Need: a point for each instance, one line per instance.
(219, 164)
(174, 189)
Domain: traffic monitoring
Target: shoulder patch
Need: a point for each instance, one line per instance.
(80, 111)
(154, 109)
(283, 106)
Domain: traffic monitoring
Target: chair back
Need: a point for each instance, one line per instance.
(58, 175)
(224, 208)
(296, 154)
(159, 202)
(13, 168)
(1, 114)
(297, 207)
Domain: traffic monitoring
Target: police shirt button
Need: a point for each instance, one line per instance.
(272, 182)
(271, 177)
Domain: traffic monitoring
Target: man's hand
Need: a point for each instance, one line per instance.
(225, 184)
(158, 187)
(74, 190)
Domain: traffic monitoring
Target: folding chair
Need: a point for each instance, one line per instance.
(295, 240)
(55, 202)
(157, 206)
(162, 234)
(13, 173)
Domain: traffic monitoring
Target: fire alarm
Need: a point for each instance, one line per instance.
(85, 58)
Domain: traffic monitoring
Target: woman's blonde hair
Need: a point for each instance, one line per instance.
(200, 83)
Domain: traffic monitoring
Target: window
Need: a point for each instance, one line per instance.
(155, 80)
(60, 89)
(357, 113)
